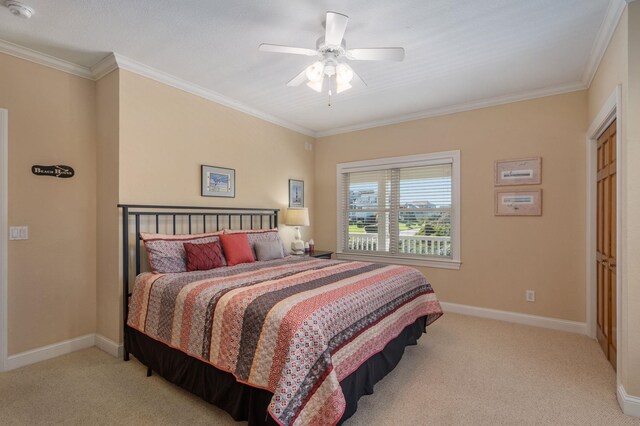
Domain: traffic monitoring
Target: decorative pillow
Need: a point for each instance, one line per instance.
(268, 250)
(166, 252)
(259, 235)
(236, 249)
(202, 257)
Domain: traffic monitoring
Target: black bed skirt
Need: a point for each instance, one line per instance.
(244, 402)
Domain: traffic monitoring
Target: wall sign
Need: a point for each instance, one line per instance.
(218, 181)
(518, 172)
(55, 171)
(518, 202)
(296, 193)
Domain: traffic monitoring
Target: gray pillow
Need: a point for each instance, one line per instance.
(268, 250)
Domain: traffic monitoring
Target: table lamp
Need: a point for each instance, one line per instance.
(297, 217)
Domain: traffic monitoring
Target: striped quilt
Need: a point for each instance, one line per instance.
(294, 326)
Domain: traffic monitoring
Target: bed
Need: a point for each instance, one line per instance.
(291, 340)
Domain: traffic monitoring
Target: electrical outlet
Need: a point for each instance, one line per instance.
(530, 295)
(19, 233)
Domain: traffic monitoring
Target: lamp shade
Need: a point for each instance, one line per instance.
(297, 217)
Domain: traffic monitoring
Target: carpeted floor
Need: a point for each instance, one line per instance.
(465, 371)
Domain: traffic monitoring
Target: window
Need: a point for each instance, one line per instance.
(401, 210)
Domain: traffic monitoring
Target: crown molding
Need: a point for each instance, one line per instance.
(113, 61)
(603, 38)
(104, 66)
(452, 109)
(178, 83)
(44, 59)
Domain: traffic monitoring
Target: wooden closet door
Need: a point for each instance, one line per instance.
(606, 243)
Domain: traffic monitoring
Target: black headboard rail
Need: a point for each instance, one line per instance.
(256, 218)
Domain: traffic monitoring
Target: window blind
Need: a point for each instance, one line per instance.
(399, 211)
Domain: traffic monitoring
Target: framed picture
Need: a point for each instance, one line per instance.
(520, 202)
(526, 171)
(296, 193)
(218, 182)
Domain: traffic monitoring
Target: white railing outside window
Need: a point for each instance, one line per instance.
(408, 244)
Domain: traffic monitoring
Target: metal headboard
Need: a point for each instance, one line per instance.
(210, 219)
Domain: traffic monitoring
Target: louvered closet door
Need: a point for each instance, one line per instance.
(606, 243)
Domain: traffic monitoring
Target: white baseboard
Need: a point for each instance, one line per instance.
(630, 404)
(526, 319)
(50, 351)
(63, 348)
(109, 346)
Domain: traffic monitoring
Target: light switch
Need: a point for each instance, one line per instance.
(19, 233)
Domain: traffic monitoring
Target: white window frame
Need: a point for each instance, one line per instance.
(452, 157)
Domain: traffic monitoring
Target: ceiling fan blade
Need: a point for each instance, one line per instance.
(356, 76)
(376, 54)
(298, 79)
(276, 48)
(335, 26)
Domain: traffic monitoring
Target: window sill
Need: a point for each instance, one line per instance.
(395, 260)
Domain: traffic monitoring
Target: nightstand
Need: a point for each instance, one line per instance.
(320, 254)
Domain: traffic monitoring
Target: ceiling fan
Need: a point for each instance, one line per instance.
(329, 49)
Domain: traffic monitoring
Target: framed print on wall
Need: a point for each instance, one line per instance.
(518, 202)
(525, 171)
(218, 182)
(296, 193)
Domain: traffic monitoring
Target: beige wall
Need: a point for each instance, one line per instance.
(130, 139)
(167, 134)
(164, 136)
(52, 275)
(497, 267)
(109, 296)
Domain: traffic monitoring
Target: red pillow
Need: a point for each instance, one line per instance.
(202, 257)
(236, 249)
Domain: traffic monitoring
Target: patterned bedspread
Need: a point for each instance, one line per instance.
(294, 326)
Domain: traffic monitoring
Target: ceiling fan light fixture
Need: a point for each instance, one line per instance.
(315, 72)
(316, 85)
(330, 69)
(344, 74)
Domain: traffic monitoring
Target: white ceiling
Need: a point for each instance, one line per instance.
(459, 54)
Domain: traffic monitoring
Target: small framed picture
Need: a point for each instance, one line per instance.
(525, 171)
(518, 202)
(218, 182)
(296, 193)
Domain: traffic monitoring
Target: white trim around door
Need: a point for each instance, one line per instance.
(611, 110)
(4, 177)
